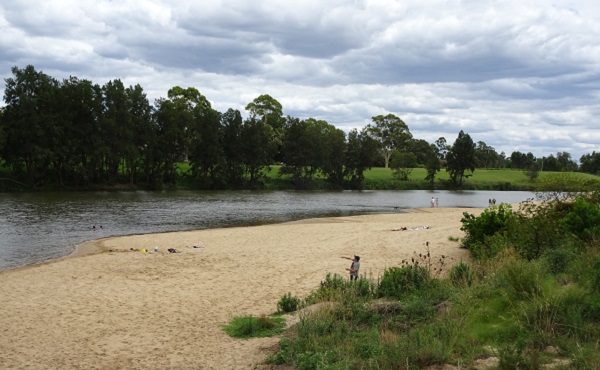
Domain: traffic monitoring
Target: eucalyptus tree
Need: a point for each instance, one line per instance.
(460, 158)
(115, 130)
(565, 162)
(549, 163)
(30, 125)
(521, 160)
(311, 146)
(485, 156)
(206, 151)
(421, 149)
(231, 137)
(300, 152)
(590, 163)
(257, 149)
(402, 163)
(81, 104)
(178, 119)
(141, 126)
(433, 165)
(361, 150)
(333, 166)
(391, 133)
(442, 147)
(269, 111)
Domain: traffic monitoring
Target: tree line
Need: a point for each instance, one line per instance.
(78, 134)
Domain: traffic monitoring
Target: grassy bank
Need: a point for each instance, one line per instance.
(374, 179)
(482, 179)
(529, 299)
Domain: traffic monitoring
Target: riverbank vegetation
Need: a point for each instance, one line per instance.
(529, 298)
(78, 135)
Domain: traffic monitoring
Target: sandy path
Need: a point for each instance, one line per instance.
(127, 309)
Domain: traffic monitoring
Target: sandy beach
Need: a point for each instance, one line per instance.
(109, 307)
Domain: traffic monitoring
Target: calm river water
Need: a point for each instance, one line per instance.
(35, 227)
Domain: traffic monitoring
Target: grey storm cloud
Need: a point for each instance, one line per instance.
(517, 75)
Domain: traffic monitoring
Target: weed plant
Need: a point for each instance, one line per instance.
(254, 327)
(288, 303)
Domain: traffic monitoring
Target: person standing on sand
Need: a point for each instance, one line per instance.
(437, 202)
(354, 267)
(432, 202)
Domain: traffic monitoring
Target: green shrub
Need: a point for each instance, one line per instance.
(288, 303)
(583, 220)
(335, 286)
(558, 259)
(397, 281)
(461, 275)
(479, 229)
(523, 279)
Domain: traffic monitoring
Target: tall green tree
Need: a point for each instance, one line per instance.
(522, 161)
(433, 165)
(81, 156)
(30, 124)
(421, 149)
(333, 166)
(565, 162)
(590, 163)
(141, 128)
(391, 133)
(442, 148)
(402, 163)
(310, 146)
(267, 109)
(460, 158)
(361, 150)
(257, 149)
(176, 118)
(116, 131)
(206, 151)
(231, 137)
(485, 156)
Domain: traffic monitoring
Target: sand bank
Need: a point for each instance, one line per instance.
(113, 308)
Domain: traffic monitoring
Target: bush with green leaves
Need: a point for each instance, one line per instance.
(583, 220)
(461, 275)
(479, 228)
(288, 303)
(522, 279)
(398, 281)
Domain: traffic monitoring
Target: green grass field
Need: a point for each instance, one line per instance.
(480, 179)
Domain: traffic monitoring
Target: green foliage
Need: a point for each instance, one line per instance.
(288, 303)
(523, 280)
(461, 275)
(402, 164)
(583, 220)
(396, 282)
(562, 185)
(460, 158)
(254, 327)
(334, 287)
(478, 229)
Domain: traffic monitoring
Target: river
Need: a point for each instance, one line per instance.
(35, 227)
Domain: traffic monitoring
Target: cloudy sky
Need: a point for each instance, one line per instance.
(516, 74)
